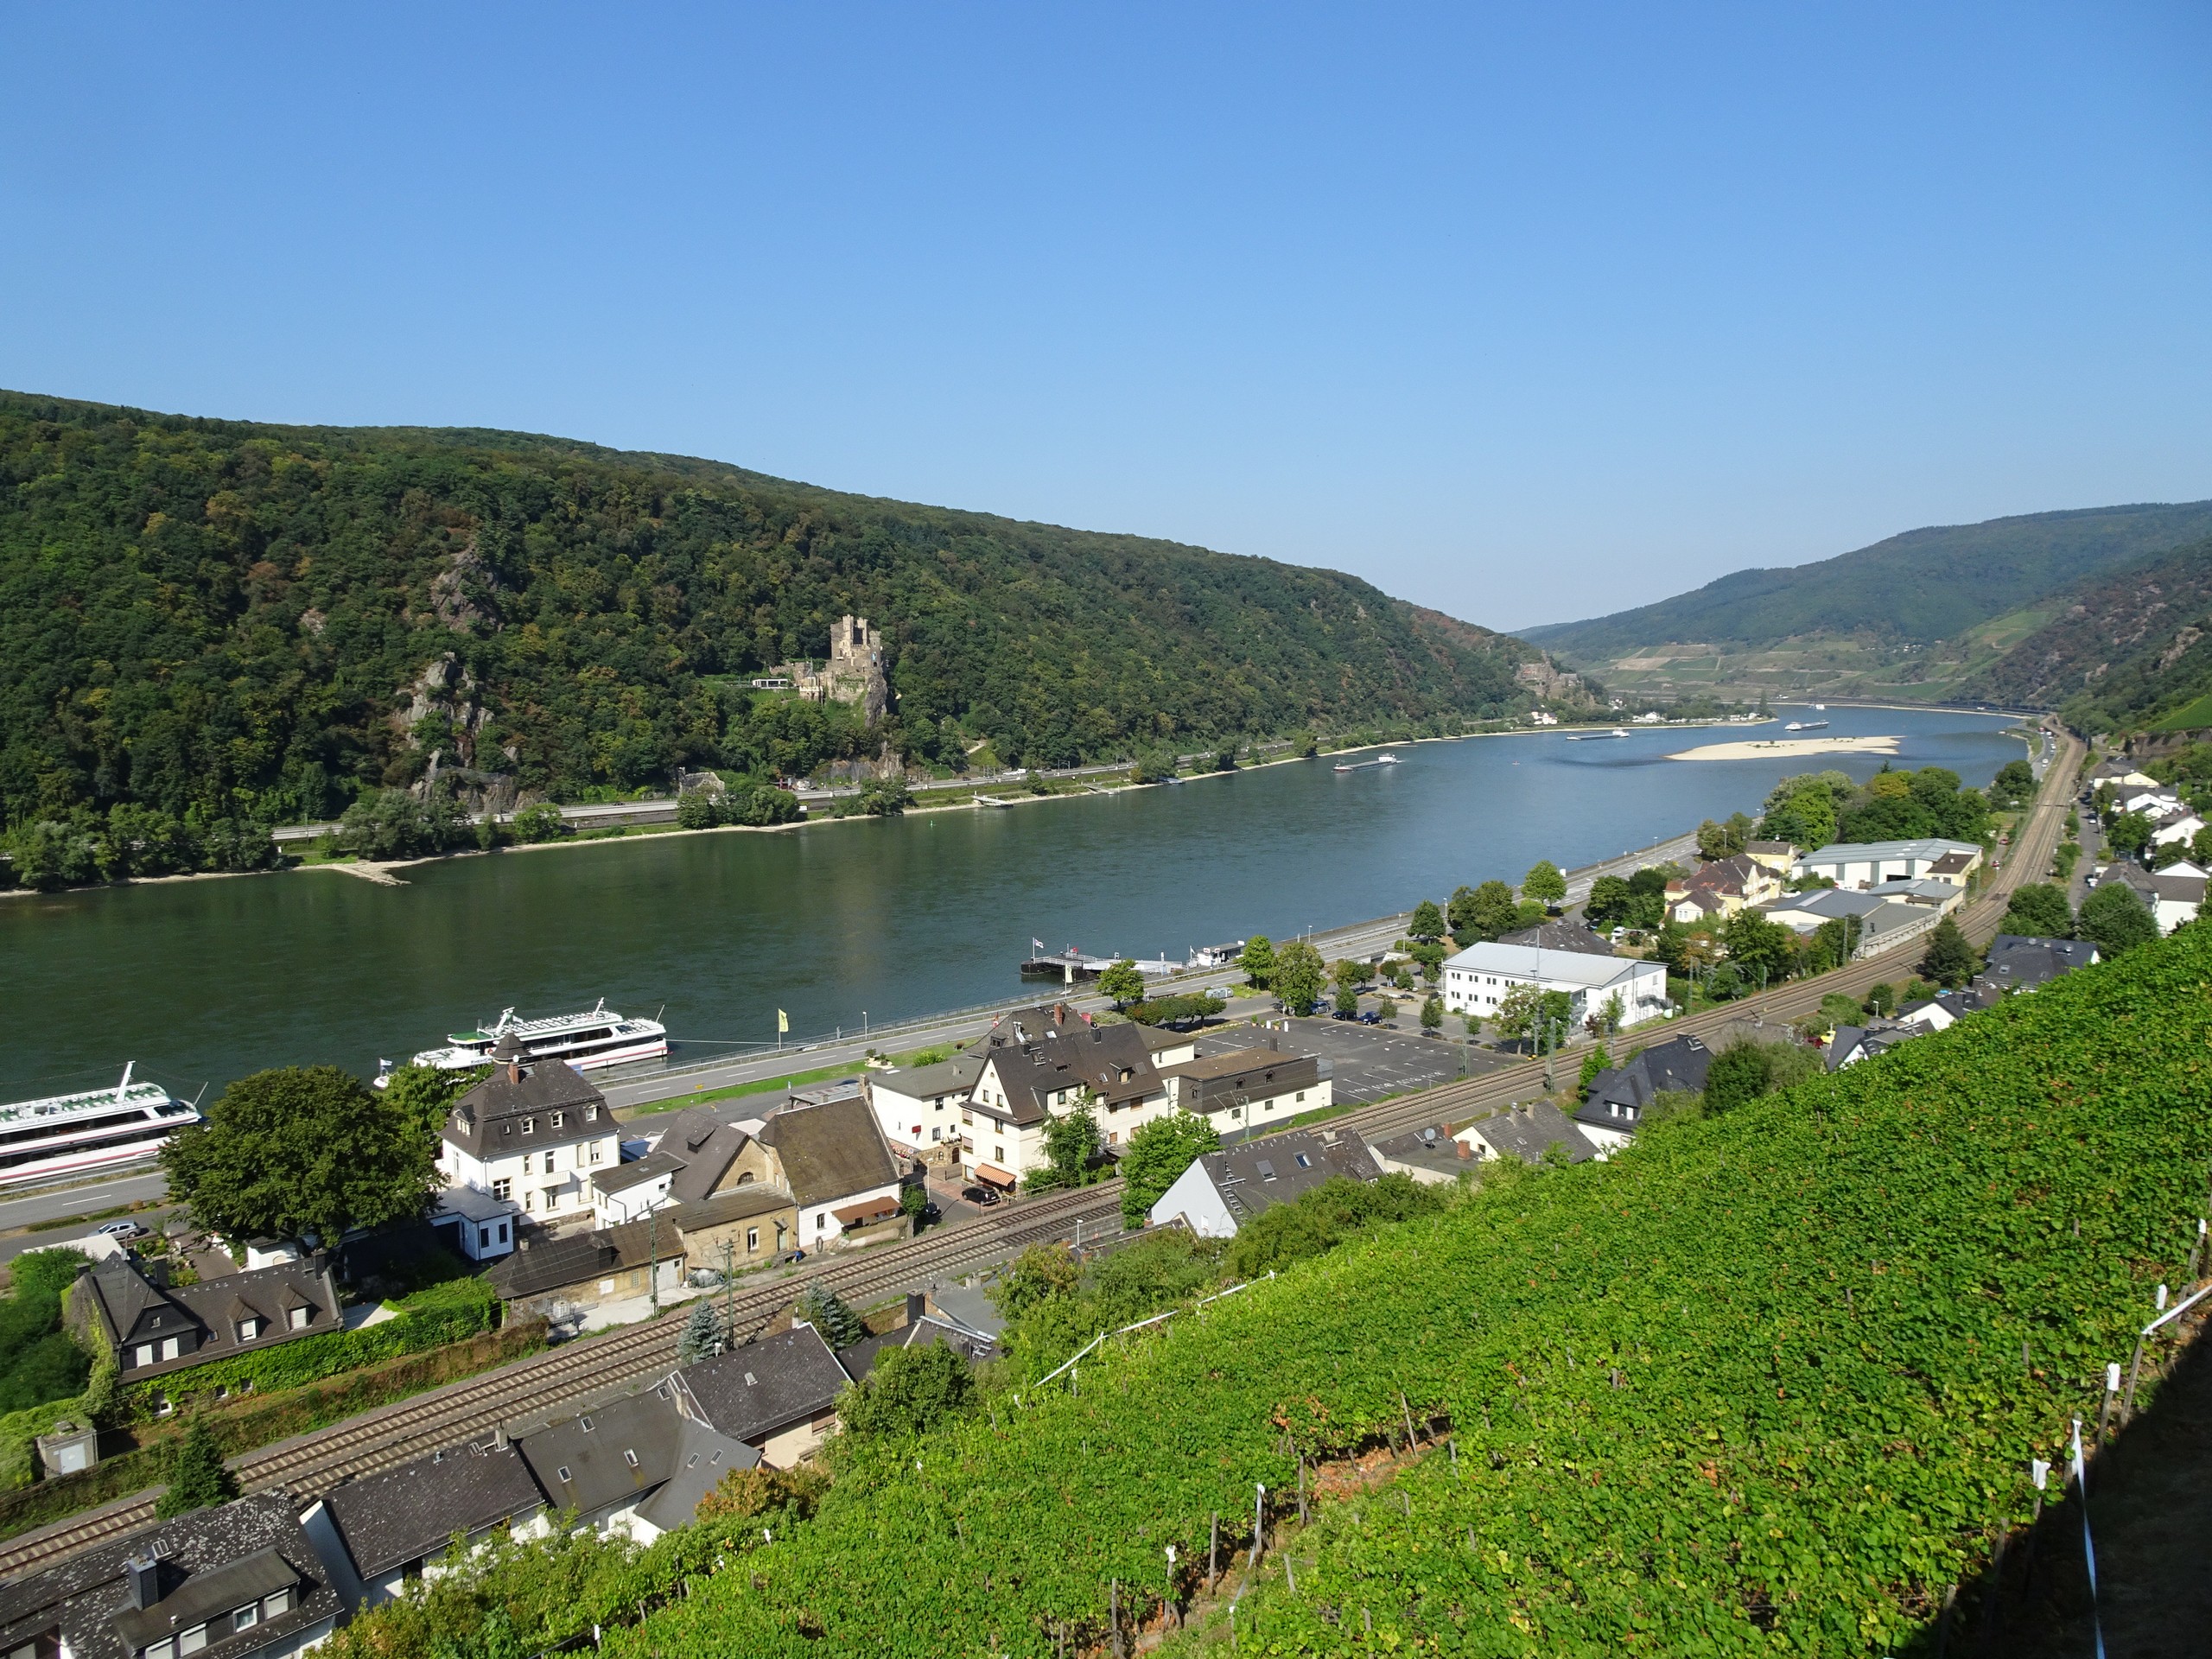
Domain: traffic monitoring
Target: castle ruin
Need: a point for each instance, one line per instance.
(854, 673)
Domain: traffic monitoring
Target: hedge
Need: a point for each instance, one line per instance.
(247, 1426)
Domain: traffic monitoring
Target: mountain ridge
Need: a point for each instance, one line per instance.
(259, 621)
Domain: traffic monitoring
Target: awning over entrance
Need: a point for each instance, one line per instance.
(858, 1215)
(992, 1175)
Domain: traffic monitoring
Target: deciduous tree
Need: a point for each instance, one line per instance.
(1427, 921)
(2038, 910)
(2114, 918)
(1158, 1155)
(1950, 961)
(1257, 960)
(1122, 984)
(1299, 976)
(303, 1151)
(1544, 883)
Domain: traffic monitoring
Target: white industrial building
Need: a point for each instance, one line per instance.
(1869, 863)
(1479, 979)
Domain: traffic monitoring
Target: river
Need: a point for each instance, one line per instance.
(201, 981)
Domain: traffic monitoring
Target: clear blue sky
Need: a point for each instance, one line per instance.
(1527, 313)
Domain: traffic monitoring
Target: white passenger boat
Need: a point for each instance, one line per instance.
(598, 1037)
(83, 1135)
(1385, 760)
(1805, 726)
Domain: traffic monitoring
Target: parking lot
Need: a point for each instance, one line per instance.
(1366, 1062)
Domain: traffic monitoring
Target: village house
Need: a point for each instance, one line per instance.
(2172, 894)
(551, 1272)
(2019, 962)
(920, 1106)
(154, 1329)
(1557, 935)
(1868, 863)
(1221, 1191)
(608, 1466)
(1778, 857)
(696, 1156)
(1428, 1155)
(1042, 1064)
(240, 1580)
(379, 1533)
(1241, 1091)
(533, 1132)
(777, 1395)
(1617, 1099)
(1532, 1133)
(833, 1159)
(1479, 979)
(1719, 888)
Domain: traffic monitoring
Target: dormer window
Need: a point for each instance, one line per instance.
(559, 1118)
(591, 1114)
(251, 1327)
(299, 1317)
(530, 1126)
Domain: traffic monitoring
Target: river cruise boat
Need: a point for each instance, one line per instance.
(82, 1134)
(1594, 737)
(598, 1037)
(1361, 765)
(1805, 726)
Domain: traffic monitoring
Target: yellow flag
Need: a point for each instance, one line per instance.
(783, 1022)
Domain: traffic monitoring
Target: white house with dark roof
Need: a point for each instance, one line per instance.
(1242, 1091)
(533, 1132)
(381, 1531)
(1479, 979)
(240, 1580)
(920, 1106)
(1042, 1064)
(1222, 1190)
(1529, 1133)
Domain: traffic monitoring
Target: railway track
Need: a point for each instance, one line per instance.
(476, 1406)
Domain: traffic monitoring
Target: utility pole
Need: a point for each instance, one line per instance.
(652, 1256)
(729, 1289)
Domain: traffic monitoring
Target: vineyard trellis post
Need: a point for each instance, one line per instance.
(1259, 1519)
(1213, 1551)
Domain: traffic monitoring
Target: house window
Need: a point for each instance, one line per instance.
(249, 1329)
(629, 1456)
(998, 1154)
(503, 1233)
(751, 1240)
(172, 1347)
(559, 1118)
(552, 1200)
(530, 1200)
(597, 1148)
(298, 1318)
(1301, 1097)
(246, 1617)
(192, 1640)
(606, 1288)
(530, 1126)
(164, 1649)
(143, 1354)
(483, 1238)
(277, 1602)
(821, 1221)
(591, 1114)
(548, 1163)
(503, 1188)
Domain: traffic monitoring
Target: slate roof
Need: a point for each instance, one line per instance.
(1848, 1044)
(750, 1393)
(213, 1308)
(754, 1198)
(1217, 1081)
(954, 1076)
(706, 1147)
(1074, 1057)
(701, 1459)
(1527, 1132)
(860, 1359)
(542, 1264)
(637, 1171)
(405, 1514)
(1561, 935)
(971, 1310)
(1256, 1175)
(1430, 1148)
(487, 1120)
(2020, 962)
(830, 1150)
(244, 1550)
(610, 1455)
(1677, 1065)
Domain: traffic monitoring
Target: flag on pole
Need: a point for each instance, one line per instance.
(783, 1022)
(1038, 945)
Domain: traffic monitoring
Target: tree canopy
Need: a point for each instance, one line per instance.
(2039, 910)
(1299, 976)
(2115, 919)
(1544, 883)
(1156, 1157)
(303, 1151)
(226, 625)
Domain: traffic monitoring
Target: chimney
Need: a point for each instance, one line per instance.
(144, 1578)
(1464, 1149)
(916, 1305)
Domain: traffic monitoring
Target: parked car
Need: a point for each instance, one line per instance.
(985, 1196)
(1371, 1018)
(124, 1230)
(931, 1215)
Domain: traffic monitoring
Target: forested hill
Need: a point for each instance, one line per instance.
(1923, 586)
(225, 619)
(2125, 651)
